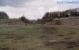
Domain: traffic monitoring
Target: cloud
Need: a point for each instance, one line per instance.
(14, 3)
(68, 1)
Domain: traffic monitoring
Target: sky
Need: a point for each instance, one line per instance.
(35, 9)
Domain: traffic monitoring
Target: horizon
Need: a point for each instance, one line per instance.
(35, 9)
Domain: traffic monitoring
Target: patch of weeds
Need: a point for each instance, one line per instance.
(58, 22)
(19, 37)
(49, 30)
(72, 44)
(67, 38)
(4, 48)
(43, 36)
(72, 33)
(60, 35)
(50, 43)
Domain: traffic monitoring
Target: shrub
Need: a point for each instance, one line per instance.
(58, 22)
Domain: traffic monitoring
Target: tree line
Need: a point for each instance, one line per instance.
(49, 16)
(4, 15)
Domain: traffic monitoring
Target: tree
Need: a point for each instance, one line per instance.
(3, 15)
(24, 19)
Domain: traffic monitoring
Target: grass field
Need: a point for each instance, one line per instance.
(39, 37)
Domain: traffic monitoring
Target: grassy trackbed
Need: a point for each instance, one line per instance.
(39, 37)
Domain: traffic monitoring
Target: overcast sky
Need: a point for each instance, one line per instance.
(34, 9)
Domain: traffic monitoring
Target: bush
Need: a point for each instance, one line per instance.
(58, 22)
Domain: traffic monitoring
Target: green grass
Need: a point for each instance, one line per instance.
(20, 37)
(37, 37)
